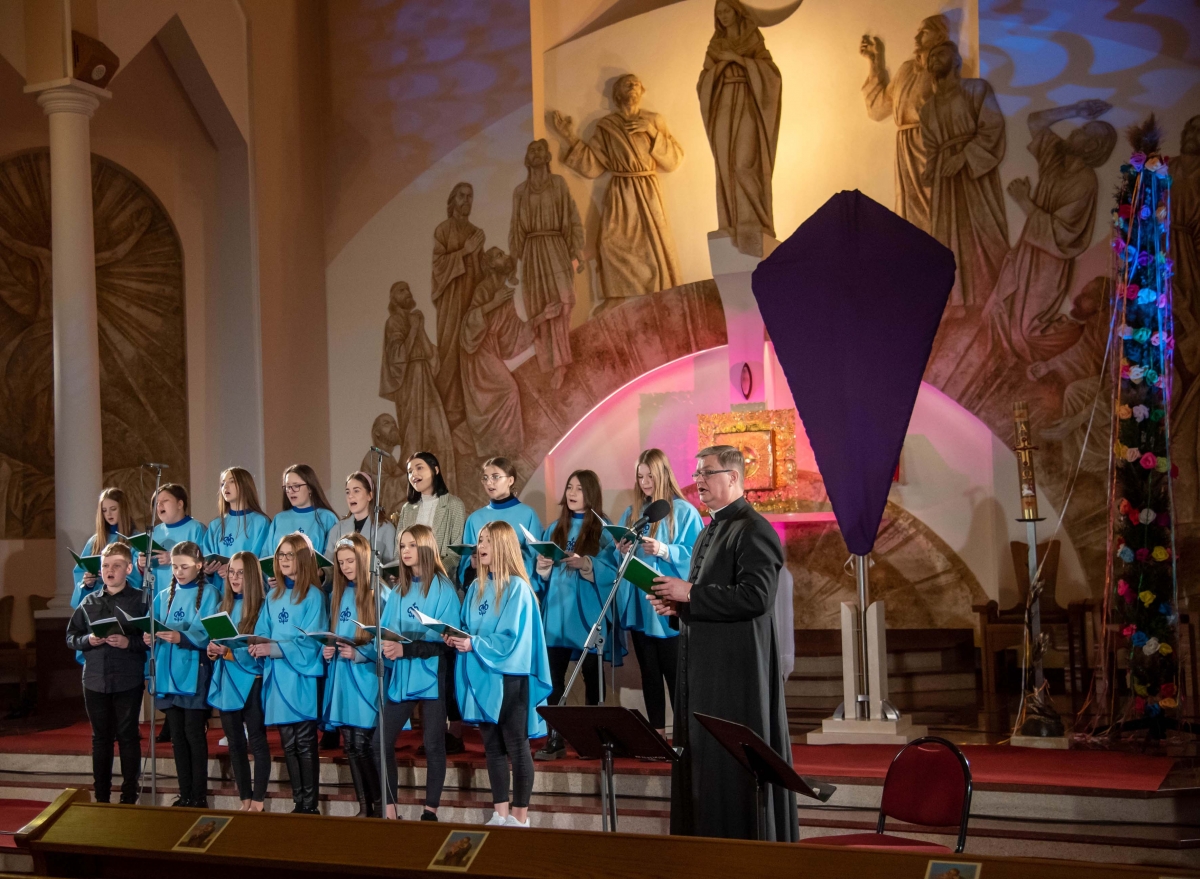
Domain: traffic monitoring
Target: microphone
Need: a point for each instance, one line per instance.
(381, 451)
(660, 509)
(153, 466)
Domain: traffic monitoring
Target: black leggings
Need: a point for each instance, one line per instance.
(658, 658)
(507, 741)
(238, 725)
(189, 739)
(433, 729)
(560, 660)
(114, 716)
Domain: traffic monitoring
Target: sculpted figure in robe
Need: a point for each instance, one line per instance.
(457, 247)
(407, 376)
(546, 236)
(740, 89)
(962, 131)
(385, 434)
(492, 333)
(1060, 215)
(636, 247)
(901, 97)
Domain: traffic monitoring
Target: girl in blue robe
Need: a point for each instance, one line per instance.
(415, 672)
(183, 669)
(574, 591)
(174, 526)
(306, 510)
(667, 548)
(351, 686)
(503, 672)
(114, 516)
(499, 477)
(240, 526)
(236, 686)
(293, 663)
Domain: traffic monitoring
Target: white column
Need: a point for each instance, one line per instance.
(743, 323)
(78, 463)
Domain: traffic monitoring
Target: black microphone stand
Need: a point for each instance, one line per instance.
(376, 580)
(149, 586)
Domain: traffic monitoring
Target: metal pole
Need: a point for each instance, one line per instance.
(862, 708)
(149, 586)
(611, 804)
(376, 584)
(1035, 605)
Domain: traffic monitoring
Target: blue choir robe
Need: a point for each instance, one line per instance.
(80, 592)
(166, 535)
(351, 687)
(314, 522)
(238, 531)
(232, 678)
(409, 678)
(571, 604)
(183, 669)
(514, 513)
(290, 677)
(634, 610)
(510, 642)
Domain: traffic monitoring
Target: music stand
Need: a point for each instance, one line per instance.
(761, 761)
(602, 732)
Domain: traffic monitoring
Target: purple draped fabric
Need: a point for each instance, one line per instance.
(852, 301)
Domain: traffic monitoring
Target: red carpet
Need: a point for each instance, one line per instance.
(15, 814)
(998, 764)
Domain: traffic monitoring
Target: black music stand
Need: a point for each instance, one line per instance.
(761, 761)
(602, 732)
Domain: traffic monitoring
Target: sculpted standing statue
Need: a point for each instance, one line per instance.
(637, 249)
(901, 98)
(740, 89)
(546, 236)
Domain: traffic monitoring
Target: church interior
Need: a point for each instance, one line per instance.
(927, 265)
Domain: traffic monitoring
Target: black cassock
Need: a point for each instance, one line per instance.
(729, 667)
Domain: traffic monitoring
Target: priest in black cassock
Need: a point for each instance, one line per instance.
(728, 660)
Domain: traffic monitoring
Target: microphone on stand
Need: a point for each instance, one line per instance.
(153, 466)
(381, 451)
(660, 509)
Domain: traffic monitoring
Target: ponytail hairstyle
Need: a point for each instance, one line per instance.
(307, 575)
(666, 488)
(316, 493)
(364, 598)
(507, 562)
(189, 549)
(429, 560)
(252, 592)
(247, 497)
(125, 523)
(502, 463)
(177, 491)
(588, 541)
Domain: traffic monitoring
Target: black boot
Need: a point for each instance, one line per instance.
(291, 757)
(362, 770)
(360, 788)
(310, 766)
(554, 748)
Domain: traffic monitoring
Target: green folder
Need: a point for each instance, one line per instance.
(90, 563)
(140, 542)
(620, 532)
(104, 628)
(216, 557)
(641, 575)
(322, 562)
(329, 639)
(545, 548)
(268, 564)
(219, 626)
(438, 627)
(388, 634)
(142, 624)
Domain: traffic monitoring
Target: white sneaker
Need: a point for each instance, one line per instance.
(495, 821)
(510, 821)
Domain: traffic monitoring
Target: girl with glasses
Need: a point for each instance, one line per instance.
(293, 663)
(306, 510)
(498, 478)
(667, 547)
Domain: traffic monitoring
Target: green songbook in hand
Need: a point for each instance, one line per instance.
(143, 543)
(620, 532)
(90, 563)
(219, 626)
(386, 635)
(641, 575)
(545, 548)
(142, 624)
(268, 567)
(104, 628)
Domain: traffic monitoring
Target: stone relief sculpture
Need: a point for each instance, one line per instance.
(408, 376)
(457, 247)
(545, 234)
(492, 333)
(1060, 215)
(901, 98)
(962, 132)
(740, 92)
(139, 298)
(636, 247)
(385, 434)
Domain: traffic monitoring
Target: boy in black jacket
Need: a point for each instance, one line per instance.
(113, 674)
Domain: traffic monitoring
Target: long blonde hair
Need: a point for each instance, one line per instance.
(429, 560)
(507, 562)
(125, 523)
(364, 598)
(252, 592)
(247, 497)
(307, 575)
(666, 488)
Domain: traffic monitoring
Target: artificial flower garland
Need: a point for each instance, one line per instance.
(1142, 560)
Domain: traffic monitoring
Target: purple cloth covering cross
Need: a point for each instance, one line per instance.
(852, 301)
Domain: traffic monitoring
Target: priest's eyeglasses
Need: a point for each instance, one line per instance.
(707, 474)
